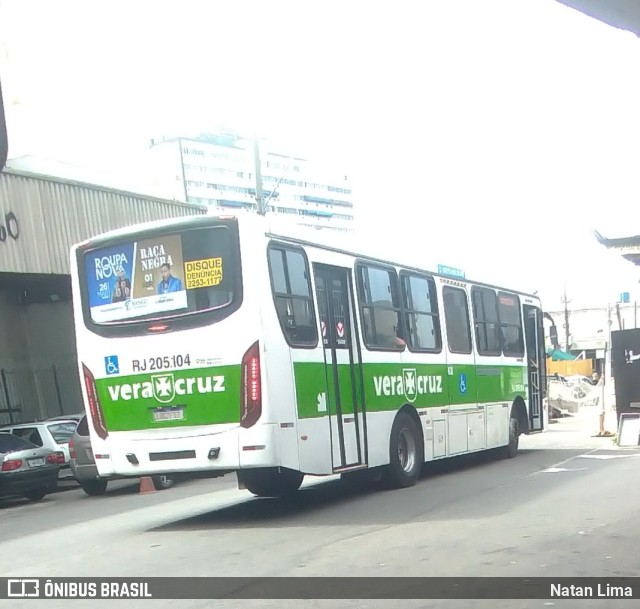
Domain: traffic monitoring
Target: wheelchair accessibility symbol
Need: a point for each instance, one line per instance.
(463, 383)
(111, 364)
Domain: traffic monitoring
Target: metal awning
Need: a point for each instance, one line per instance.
(622, 14)
(557, 355)
(589, 344)
(627, 247)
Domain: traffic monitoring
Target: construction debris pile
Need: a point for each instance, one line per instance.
(566, 395)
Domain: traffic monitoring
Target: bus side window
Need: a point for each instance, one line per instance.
(380, 308)
(421, 313)
(510, 324)
(291, 289)
(485, 314)
(456, 313)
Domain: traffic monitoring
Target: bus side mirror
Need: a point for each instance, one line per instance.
(553, 335)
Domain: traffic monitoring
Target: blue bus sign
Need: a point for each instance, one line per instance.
(450, 271)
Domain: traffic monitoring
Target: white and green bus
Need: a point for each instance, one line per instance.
(218, 344)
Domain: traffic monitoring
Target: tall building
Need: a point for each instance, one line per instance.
(220, 170)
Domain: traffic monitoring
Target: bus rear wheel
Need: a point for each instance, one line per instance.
(406, 453)
(94, 488)
(270, 481)
(511, 450)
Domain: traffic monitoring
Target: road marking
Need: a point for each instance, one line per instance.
(560, 463)
(557, 467)
(592, 529)
(555, 470)
(605, 457)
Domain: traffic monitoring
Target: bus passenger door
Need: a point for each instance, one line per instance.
(536, 364)
(465, 425)
(342, 366)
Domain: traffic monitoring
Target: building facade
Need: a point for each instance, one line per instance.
(40, 218)
(220, 171)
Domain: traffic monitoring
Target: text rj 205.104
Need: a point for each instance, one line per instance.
(160, 363)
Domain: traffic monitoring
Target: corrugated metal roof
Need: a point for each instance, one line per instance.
(132, 181)
(52, 214)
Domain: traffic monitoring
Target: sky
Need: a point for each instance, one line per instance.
(493, 135)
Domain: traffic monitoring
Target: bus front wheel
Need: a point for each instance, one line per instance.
(406, 452)
(270, 481)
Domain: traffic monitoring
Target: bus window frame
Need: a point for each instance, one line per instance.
(362, 304)
(478, 289)
(280, 246)
(521, 353)
(185, 321)
(467, 309)
(433, 291)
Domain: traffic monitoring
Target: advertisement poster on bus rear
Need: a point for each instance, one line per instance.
(158, 275)
(134, 279)
(109, 274)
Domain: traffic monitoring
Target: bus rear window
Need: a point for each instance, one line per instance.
(160, 276)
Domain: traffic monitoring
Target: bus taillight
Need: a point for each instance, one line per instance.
(251, 398)
(97, 416)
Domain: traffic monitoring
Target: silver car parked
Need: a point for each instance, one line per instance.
(84, 469)
(26, 469)
(53, 435)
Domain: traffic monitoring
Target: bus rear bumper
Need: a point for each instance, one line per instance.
(226, 450)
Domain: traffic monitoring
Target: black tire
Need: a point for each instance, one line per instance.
(37, 494)
(511, 450)
(271, 482)
(163, 483)
(94, 488)
(406, 453)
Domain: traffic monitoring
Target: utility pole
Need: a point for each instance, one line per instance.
(259, 196)
(4, 142)
(566, 320)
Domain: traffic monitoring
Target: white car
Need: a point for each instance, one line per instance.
(53, 435)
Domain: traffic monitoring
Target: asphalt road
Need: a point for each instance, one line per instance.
(568, 505)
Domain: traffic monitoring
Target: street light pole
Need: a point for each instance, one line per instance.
(4, 140)
(603, 379)
(259, 195)
(566, 319)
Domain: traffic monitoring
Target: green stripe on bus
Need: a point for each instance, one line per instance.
(209, 396)
(387, 386)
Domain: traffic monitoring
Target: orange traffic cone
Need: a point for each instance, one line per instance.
(146, 485)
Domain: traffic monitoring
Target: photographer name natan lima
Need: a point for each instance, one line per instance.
(603, 590)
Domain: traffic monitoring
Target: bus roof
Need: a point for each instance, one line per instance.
(361, 254)
(287, 230)
(133, 229)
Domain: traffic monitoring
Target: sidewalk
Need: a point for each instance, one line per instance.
(577, 431)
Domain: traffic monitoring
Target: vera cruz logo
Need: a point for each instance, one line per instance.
(409, 384)
(164, 388)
